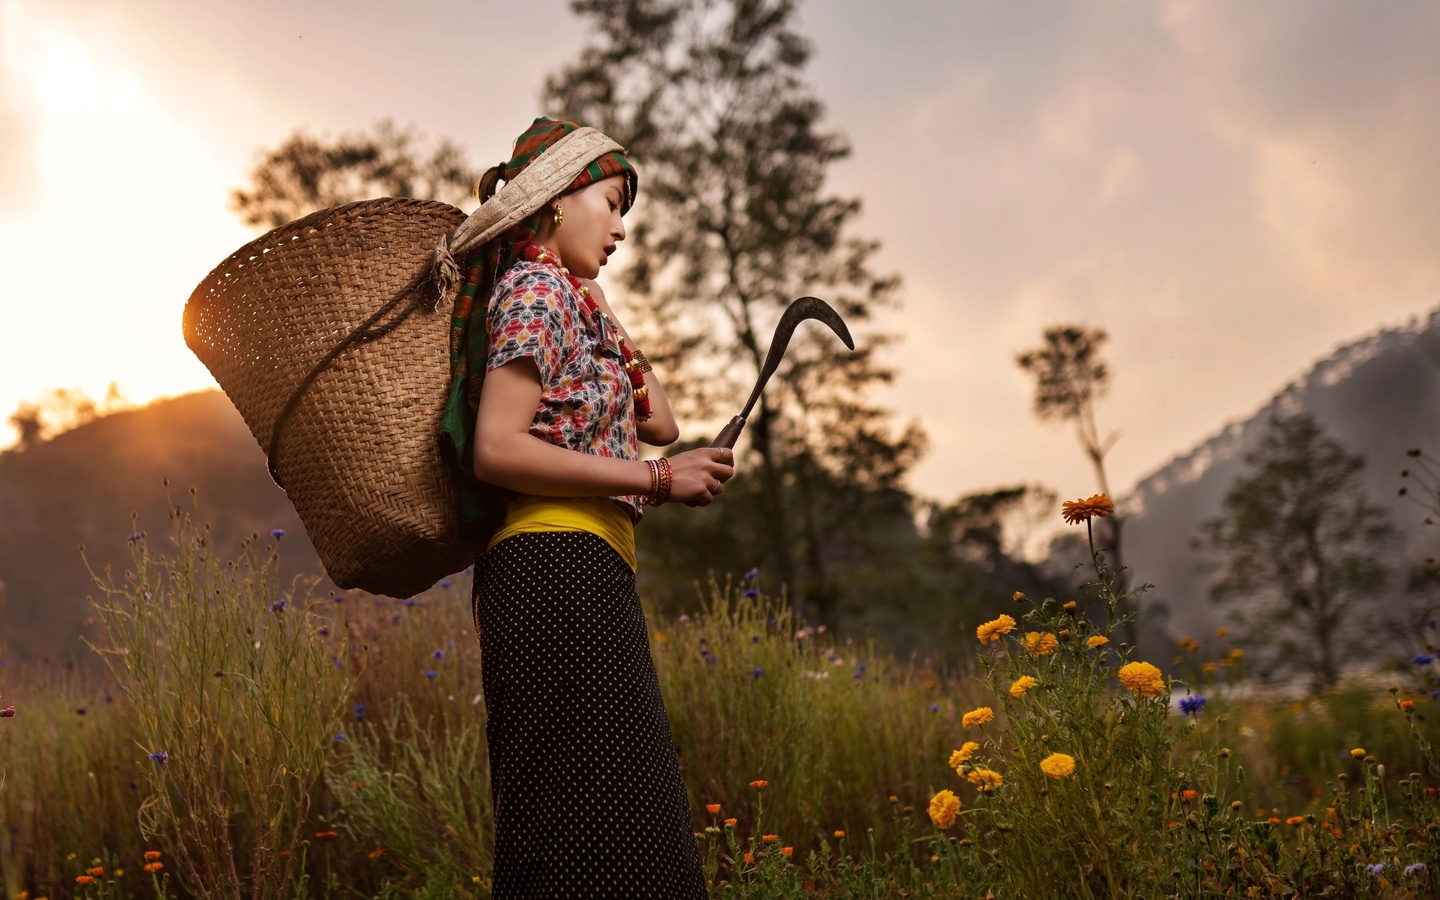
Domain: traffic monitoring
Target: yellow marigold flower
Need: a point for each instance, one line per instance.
(1096, 640)
(1236, 653)
(985, 779)
(1058, 765)
(1076, 511)
(1221, 631)
(712, 808)
(1068, 606)
(992, 629)
(1021, 685)
(1041, 643)
(759, 784)
(1143, 679)
(978, 716)
(1209, 668)
(1358, 752)
(960, 757)
(1188, 644)
(1018, 596)
(943, 807)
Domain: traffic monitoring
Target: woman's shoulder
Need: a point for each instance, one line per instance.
(531, 280)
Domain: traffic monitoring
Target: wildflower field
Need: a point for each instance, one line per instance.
(256, 739)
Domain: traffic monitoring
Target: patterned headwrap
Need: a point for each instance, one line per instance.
(481, 509)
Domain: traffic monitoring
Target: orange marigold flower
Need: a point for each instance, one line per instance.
(98, 871)
(769, 838)
(1273, 820)
(1076, 511)
(1096, 640)
(839, 834)
(749, 858)
(713, 809)
(1407, 705)
(284, 854)
(978, 716)
(1358, 752)
(1294, 820)
(985, 779)
(993, 629)
(1142, 678)
(83, 879)
(759, 784)
(152, 855)
(943, 807)
(1188, 794)
(732, 822)
(1041, 643)
(377, 853)
(788, 851)
(153, 866)
(958, 758)
(1021, 685)
(326, 835)
(1068, 606)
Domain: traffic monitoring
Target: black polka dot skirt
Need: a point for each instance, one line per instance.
(588, 796)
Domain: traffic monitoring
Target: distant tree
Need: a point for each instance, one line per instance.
(1302, 548)
(707, 96)
(1070, 376)
(306, 173)
(59, 410)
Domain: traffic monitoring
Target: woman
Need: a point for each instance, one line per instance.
(588, 796)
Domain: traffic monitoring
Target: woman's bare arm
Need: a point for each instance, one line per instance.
(508, 455)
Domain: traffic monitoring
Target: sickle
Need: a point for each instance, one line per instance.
(795, 313)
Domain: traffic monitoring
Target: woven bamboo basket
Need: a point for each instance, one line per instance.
(357, 452)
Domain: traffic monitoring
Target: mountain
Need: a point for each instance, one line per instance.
(82, 488)
(1379, 396)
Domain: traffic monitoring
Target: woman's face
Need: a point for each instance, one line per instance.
(591, 226)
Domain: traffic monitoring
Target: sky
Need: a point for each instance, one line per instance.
(1230, 189)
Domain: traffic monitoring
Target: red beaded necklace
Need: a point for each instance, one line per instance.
(532, 252)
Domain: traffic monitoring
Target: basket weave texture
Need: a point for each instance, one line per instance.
(357, 454)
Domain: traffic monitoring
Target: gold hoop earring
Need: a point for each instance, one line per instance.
(559, 215)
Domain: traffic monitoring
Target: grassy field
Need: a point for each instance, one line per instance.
(256, 739)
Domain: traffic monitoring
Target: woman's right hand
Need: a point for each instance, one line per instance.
(697, 477)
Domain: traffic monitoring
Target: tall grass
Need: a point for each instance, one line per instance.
(334, 745)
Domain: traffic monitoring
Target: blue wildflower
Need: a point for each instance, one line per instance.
(860, 670)
(324, 630)
(1375, 869)
(711, 658)
(1414, 869)
(1435, 695)
(757, 671)
(279, 605)
(470, 569)
(160, 757)
(136, 537)
(751, 594)
(340, 736)
(359, 711)
(934, 707)
(684, 617)
(439, 654)
(754, 638)
(277, 533)
(1422, 659)
(1192, 705)
(444, 582)
(431, 673)
(410, 601)
(752, 574)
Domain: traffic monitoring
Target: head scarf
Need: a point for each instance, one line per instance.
(481, 511)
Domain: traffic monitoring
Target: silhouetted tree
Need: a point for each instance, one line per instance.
(306, 173)
(735, 223)
(1302, 548)
(1070, 375)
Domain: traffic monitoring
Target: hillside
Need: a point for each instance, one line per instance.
(1379, 396)
(82, 487)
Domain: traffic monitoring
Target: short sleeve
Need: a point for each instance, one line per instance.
(529, 317)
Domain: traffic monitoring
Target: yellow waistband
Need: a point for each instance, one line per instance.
(596, 515)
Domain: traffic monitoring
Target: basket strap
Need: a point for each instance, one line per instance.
(368, 330)
(540, 182)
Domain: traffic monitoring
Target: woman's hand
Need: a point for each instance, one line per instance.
(697, 477)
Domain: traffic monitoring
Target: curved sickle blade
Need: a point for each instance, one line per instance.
(795, 313)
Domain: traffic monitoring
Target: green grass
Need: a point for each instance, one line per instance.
(333, 746)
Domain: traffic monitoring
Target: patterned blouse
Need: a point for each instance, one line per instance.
(586, 401)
